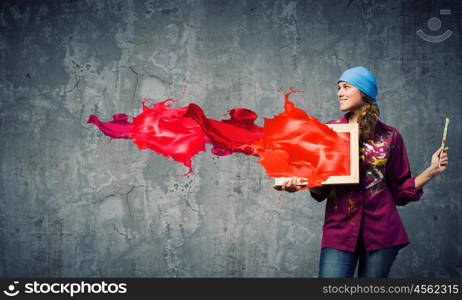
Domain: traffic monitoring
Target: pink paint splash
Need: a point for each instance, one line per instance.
(290, 144)
(119, 128)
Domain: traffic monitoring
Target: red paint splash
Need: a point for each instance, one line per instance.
(166, 131)
(236, 134)
(296, 144)
(290, 144)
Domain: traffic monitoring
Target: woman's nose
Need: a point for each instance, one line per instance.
(340, 93)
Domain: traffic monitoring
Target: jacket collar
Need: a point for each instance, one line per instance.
(344, 120)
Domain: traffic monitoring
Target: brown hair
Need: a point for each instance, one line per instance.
(368, 117)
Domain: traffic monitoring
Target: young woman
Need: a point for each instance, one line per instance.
(361, 220)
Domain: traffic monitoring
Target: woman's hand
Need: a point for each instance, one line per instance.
(439, 161)
(291, 185)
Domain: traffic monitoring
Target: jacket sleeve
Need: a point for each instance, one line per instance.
(398, 173)
(321, 197)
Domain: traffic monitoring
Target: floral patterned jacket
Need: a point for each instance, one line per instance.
(368, 209)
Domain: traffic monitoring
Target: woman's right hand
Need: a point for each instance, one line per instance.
(291, 185)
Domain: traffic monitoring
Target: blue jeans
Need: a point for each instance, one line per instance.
(339, 263)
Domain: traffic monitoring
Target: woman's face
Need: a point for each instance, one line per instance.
(349, 97)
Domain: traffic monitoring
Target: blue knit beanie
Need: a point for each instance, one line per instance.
(361, 78)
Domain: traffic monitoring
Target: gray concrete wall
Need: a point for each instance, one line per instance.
(72, 203)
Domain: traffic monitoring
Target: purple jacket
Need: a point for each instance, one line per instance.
(369, 208)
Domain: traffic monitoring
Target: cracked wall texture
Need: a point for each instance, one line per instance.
(75, 204)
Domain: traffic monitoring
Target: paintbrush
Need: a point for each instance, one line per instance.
(443, 142)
